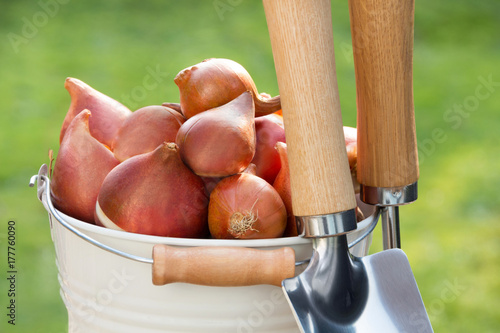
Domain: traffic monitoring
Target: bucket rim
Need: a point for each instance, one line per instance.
(179, 241)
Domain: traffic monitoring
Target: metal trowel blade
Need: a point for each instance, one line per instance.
(338, 292)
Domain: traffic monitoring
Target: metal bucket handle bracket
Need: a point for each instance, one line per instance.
(206, 265)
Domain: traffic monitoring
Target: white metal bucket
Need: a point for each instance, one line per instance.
(104, 292)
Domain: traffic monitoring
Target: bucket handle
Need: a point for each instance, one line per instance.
(43, 192)
(222, 266)
(205, 265)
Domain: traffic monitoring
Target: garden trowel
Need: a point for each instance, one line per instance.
(337, 292)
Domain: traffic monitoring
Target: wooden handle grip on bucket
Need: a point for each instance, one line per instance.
(382, 36)
(302, 43)
(222, 266)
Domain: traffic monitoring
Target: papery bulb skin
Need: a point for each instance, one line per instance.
(173, 106)
(215, 82)
(351, 145)
(219, 142)
(81, 165)
(145, 129)
(350, 135)
(107, 113)
(269, 130)
(154, 194)
(210, 183)
(282, 186)
(251, 169)
(245, 206)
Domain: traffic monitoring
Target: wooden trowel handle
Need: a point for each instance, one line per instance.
(382, 36)
(222, 266)
(302, 43)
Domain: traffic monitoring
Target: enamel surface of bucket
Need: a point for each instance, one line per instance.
(104, 292)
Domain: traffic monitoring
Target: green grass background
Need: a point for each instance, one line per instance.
(451, 234)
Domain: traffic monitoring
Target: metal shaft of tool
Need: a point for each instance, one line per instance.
(389, 199)
(390, 227)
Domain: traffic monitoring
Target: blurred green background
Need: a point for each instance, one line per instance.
(451, 234)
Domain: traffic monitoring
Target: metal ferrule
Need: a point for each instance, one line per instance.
(389, 196)
(315, 226)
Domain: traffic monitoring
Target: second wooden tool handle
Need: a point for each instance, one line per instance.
(302, 42)
(222, 266)
(382, 35)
